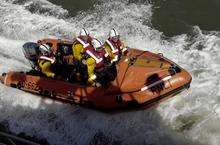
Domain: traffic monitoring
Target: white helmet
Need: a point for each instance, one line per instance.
(45, 49)
(97, 44)
(84, 32)
(113, 33)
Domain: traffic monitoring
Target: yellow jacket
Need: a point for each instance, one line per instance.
(78, 52)
(45, 66)
(91, 64)
(114, 56)
(109, 51)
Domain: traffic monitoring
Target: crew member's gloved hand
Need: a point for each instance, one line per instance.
(52, 75)
(115, 59)
(125, 50)
(92, 78)
(84, 61)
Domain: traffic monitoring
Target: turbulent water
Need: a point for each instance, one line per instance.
(189, 118)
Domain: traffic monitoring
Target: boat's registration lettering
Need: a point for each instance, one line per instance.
(76, 99)
(31, 86)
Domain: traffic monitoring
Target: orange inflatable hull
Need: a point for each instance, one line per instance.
(143, 78)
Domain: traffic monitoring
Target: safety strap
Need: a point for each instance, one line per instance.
(106, 54)
(98, 60)
(52, 60)
(82, 42)
(114, 50)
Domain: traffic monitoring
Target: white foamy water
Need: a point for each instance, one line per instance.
(189, 118)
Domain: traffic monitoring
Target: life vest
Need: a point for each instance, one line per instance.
(85, 43)
(98, 56)
(115, 46)
(51, 59)
(90, 51)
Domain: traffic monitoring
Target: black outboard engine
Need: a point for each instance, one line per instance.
(31, 52)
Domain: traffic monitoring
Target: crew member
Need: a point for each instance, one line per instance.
(46, 60)
(114, 46)
(94, 57)
(82, 41)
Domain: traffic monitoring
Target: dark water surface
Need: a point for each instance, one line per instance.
(74, 6)
(176, 16)
(172, 17)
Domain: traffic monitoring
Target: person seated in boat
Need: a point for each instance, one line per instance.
(79, 45)
(94, 58)
(82, 41)
(114, 46)
(45, 60)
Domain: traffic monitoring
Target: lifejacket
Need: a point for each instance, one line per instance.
(80, 40)
(115, 46)
(47, 58)
(90, 51)
(98, 56)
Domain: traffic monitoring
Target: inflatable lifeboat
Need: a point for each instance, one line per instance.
(142, 78)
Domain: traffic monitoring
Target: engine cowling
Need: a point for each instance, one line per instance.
(31, 52)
